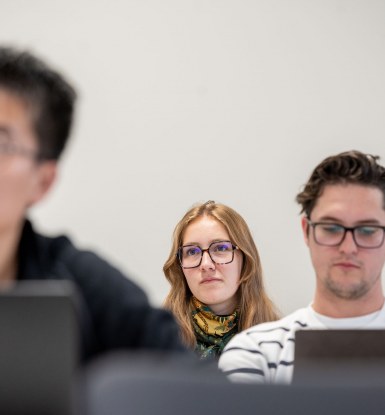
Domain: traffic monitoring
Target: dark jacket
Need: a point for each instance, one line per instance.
(115, 312)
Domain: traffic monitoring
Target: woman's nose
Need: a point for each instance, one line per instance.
(207, 262)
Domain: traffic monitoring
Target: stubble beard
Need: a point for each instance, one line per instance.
(346, 291)
(352, 292)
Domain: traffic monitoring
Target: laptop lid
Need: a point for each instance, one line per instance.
(142, 384)
(340, 357)
(38, 347)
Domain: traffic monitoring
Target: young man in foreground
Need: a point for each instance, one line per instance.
(36, 110)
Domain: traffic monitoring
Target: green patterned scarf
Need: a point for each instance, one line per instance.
(212, 332)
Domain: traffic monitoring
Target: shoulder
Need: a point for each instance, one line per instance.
(93, 273)
(294, 321)
(270, 331)
(115, 309)
(59, 258)
(256, 354)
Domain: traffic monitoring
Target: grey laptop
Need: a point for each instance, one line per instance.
(340, 357)
(145, 384)
(38, 347)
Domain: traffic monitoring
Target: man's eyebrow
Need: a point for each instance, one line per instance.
(328, 219)
(367, 221)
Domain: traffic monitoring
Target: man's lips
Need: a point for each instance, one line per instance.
(346, 264)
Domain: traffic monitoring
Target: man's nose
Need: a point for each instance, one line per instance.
(348, 244)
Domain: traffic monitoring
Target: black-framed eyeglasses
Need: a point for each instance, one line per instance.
(9, 147)
(333, 234)
(220, 252)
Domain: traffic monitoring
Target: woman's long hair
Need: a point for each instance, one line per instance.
(254, 304)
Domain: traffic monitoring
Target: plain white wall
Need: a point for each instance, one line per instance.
(188, 100)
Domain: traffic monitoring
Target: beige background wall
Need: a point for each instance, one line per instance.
(188, 100)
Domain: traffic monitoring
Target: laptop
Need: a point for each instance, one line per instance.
(38, 347)
(161, 384)
(342, 357)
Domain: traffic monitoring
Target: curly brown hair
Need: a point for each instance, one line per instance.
(350, 167)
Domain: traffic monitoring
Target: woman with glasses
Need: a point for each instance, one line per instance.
(216, 278)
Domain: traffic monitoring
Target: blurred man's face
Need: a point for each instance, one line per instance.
(22, 178)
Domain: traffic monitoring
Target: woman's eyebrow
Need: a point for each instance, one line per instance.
(211, 242)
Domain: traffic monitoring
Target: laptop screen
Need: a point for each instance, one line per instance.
(38, 347)
(340, 357)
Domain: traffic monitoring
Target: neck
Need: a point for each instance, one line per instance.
(217, 309)
(223, 309)
(9, 241)
(346, 308)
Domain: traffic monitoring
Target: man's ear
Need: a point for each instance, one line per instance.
(305, 229)
(45, 177)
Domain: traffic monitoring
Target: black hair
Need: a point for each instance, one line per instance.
(50, 97)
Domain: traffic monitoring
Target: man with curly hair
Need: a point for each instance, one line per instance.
(343, 223)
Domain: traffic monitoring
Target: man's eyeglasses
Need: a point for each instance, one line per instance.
(332, 234)
(9, 147)
(221, 252)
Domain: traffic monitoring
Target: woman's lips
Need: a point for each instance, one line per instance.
(210, 279)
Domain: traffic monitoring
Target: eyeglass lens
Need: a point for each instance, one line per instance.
(364, 236)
